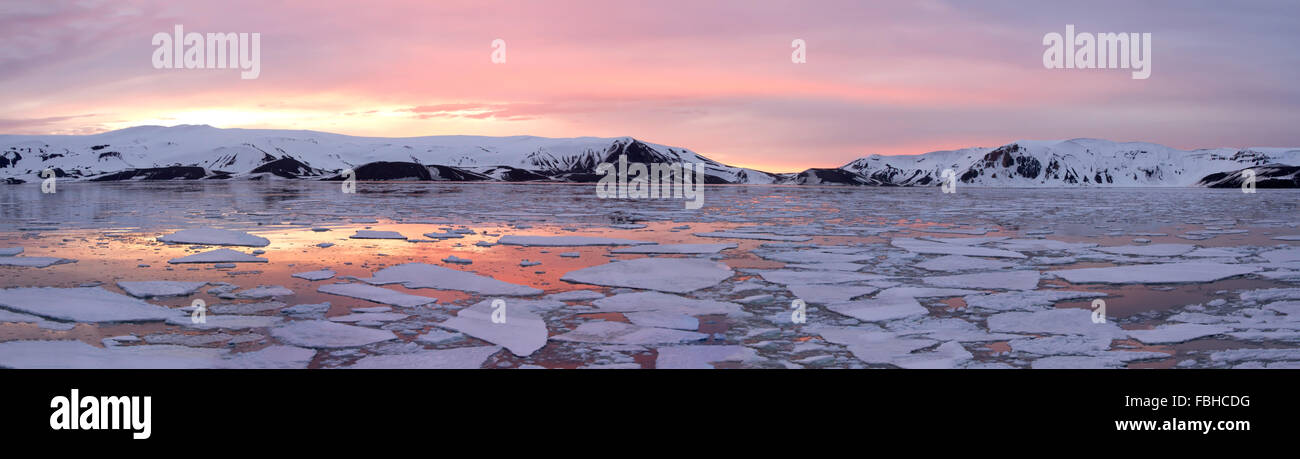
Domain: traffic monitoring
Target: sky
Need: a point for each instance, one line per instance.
(712, 76)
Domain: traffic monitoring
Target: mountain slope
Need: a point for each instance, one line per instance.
(194, 152)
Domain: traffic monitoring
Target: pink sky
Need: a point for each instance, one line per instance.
(712, 76)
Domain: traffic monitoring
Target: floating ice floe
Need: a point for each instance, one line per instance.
(364, 317)
(953, 263)
(10, 251)
(701, 356)
(921, 246)
(147, 289)
(225, 321)
(825, 294)
(218, 256)
(1061, 345)
(1183, 272)
(271, 357)
(663, 319)
(1151, 250)
(1043, 245)
(950, 354)
(457, 260)
(881, 310)
(323, 334)
(873, 346)
(78, 355)
(214, 236)
(1177, 333)
(1109, 359)
(756, 236)
(566, 241)
(1036, 299)
(677, 275)
(623, 333)
(788, 277)
(923, 292)
(315, 275)
(1065, 321)
(1289, 237)
(307, 309)
(34, 262)
(376, 294)
(462, 358)
(687, 249)
(837, 266)
(82, 304)
(998, 280)
(420, 275)
(576, 295)
(444, 235)
(522, 331)
(663, 302)
(818, 256)
(1273, 256)
(243, 308)
(372, 234)
(262, 291)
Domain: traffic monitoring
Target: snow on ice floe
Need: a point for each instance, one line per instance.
(82, 304)
(315, 275)
(954, 263)
(1290, 237)
(218, 256)
(323, 334)
(923, 292)
(922, 246)
(420, 275)
(701, 356)
(825, 294)
(623, 333)
(677, 275)
(788, 277)
(950, 354)
(34, 262)
(522, 332)
(376, 294)
(372, 234)
(881, 309)
(566, 241)
(147, 289)
(663, 302)
(1036, 299)
(685, 249)
(10, 251)
(1177, 333)
(1182, 272)
(756, 236)
(998, 280)
(1149, 250)
(462, 358)
(213, 236)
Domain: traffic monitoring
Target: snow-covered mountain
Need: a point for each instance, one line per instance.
(205, 152)
(1076, 162)
(191, 152)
